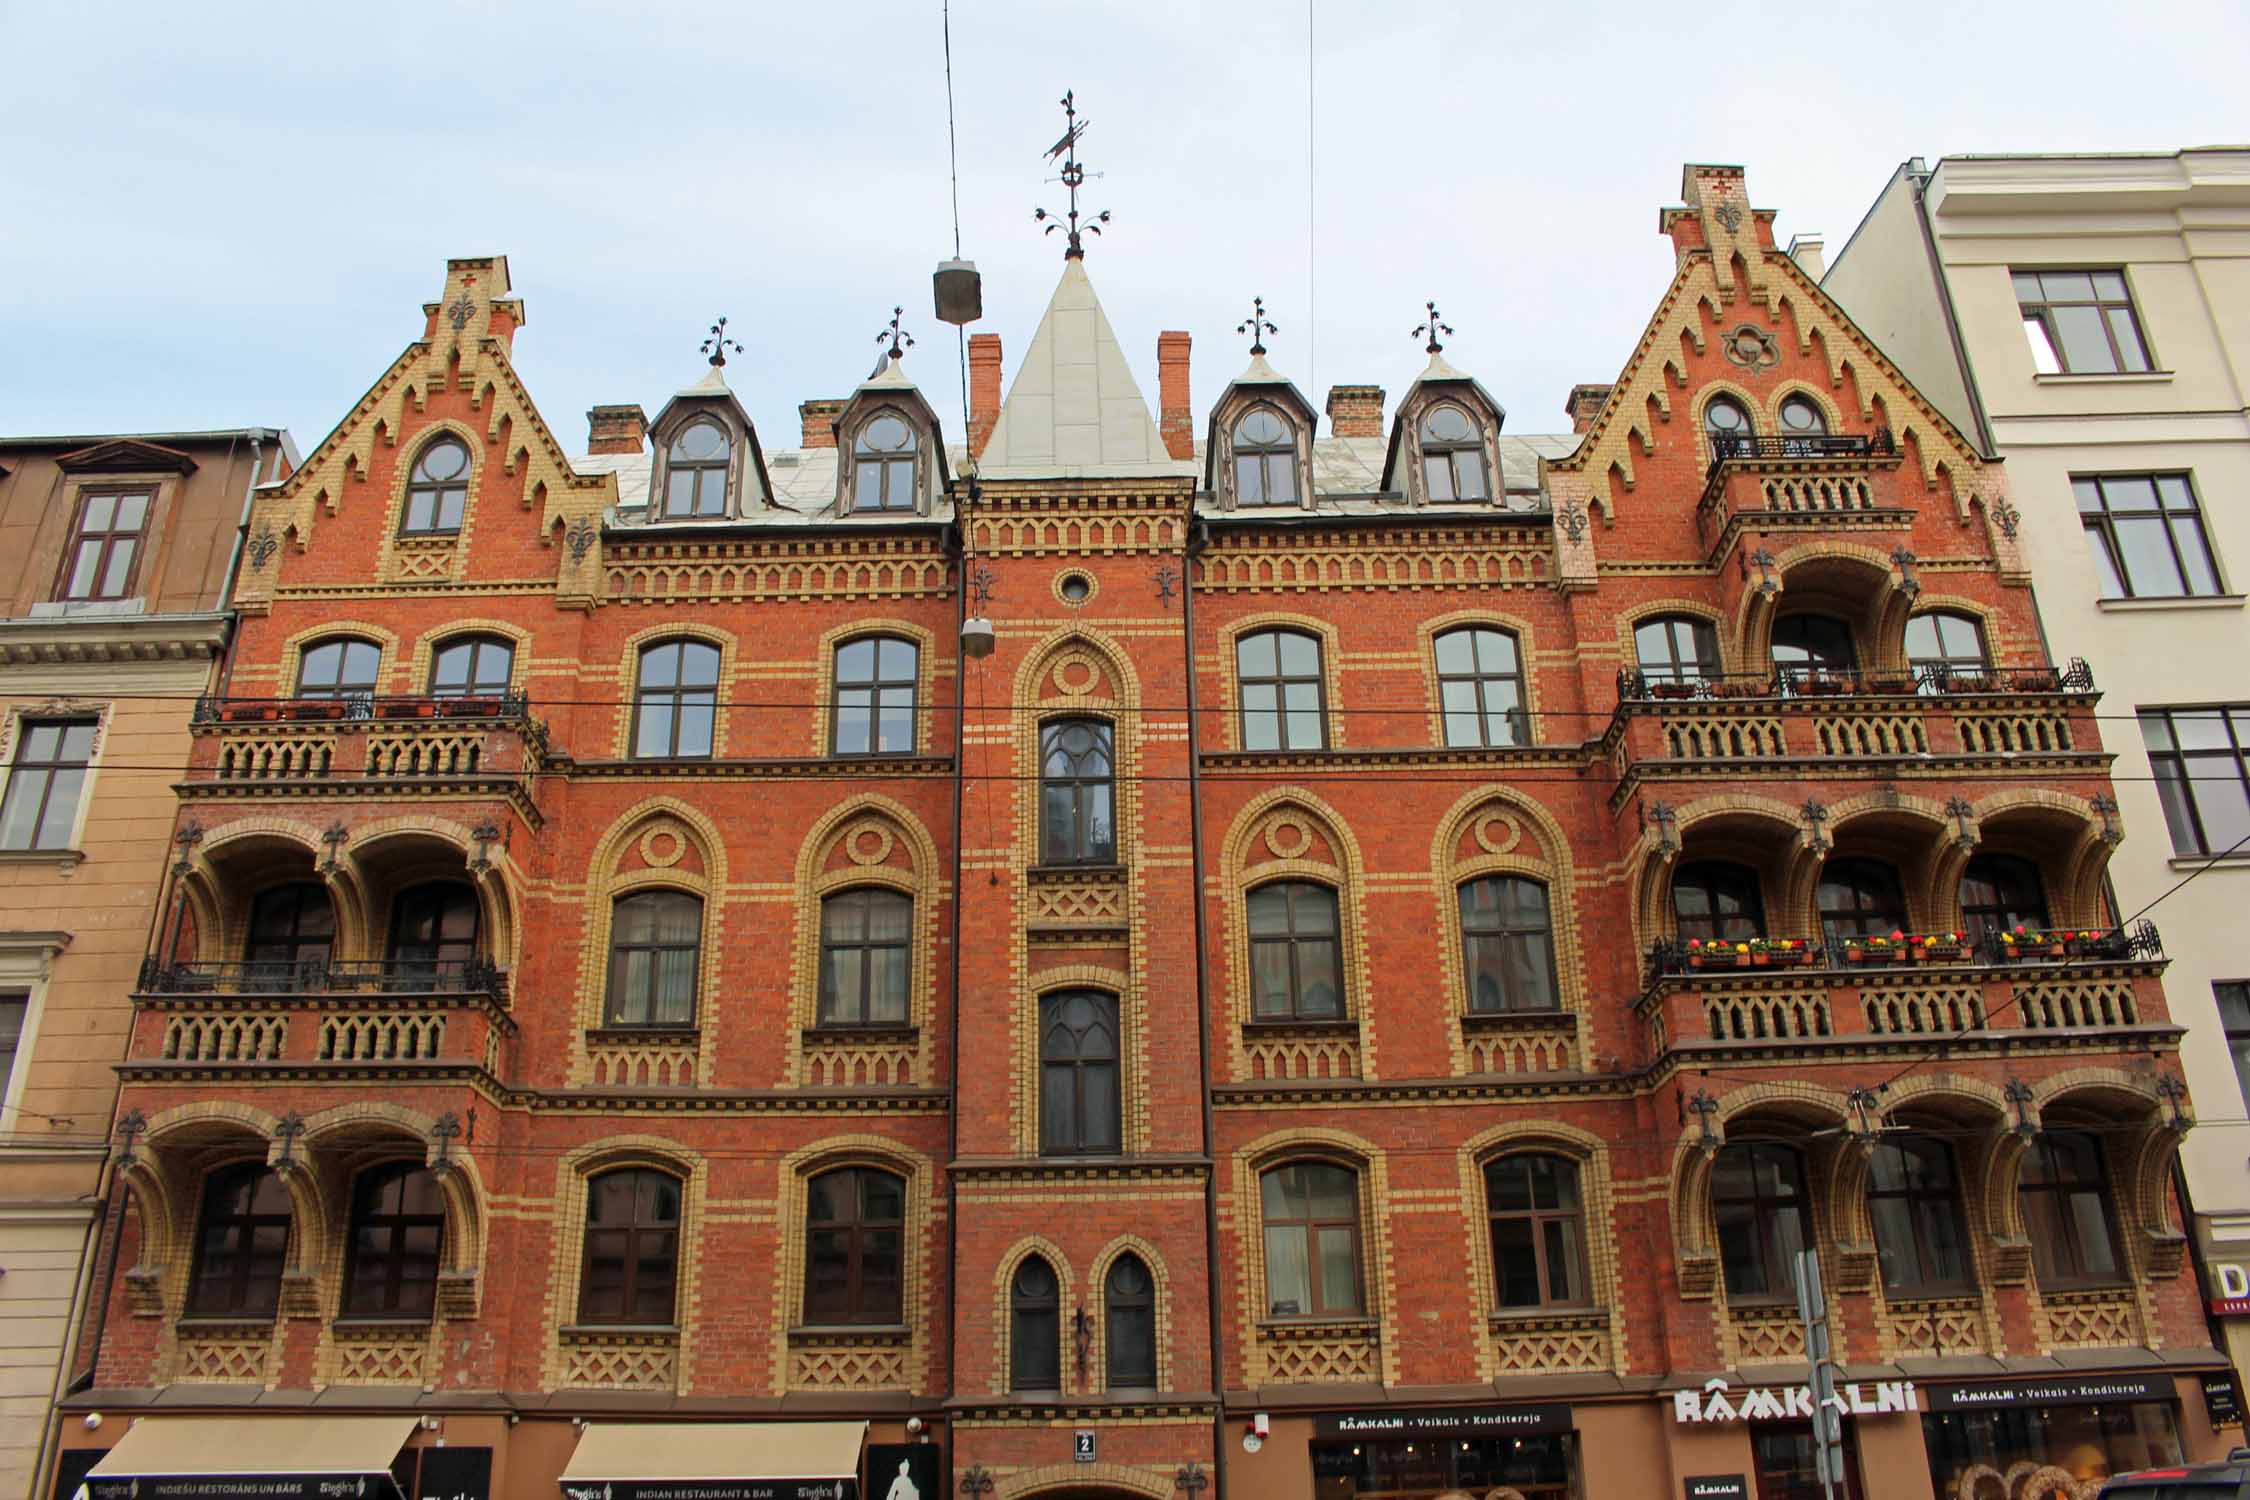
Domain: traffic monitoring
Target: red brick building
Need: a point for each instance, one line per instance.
(1362, 988)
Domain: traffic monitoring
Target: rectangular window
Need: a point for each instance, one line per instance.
(2198, 758)
(2081, 323)
(2234, 1015)
(43, 788)
(12, 1011)
(2147, 534)
(105, 543)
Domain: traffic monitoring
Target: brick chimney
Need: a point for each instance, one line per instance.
(1355, 410)
(1175, 413)
(984, 389)
(1583, 404)
(819, 418)
(615, 429)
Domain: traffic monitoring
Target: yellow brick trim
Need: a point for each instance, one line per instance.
(393, 549)
(1152, 1484)
(823, 670)
(1230, 675)
(629, 679)
(921, 1227)
(1097, 1286)
(606, 883)
(573, 1173)
(292, 667)
(1367, 1160)
(1003, 1317)
(893, 826)
(1630, 620)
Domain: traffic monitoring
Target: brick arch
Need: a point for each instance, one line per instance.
(1323, 631)
(1915, 849)
(1513, 835)
(426, 649)
(574, 1170)
(925, 676)
(165, 1178)
(220, 899)
(606, 882)
(1830, 412)
(898, 832)
(920, 1223)
(1003, 1324)
(629, 678)
(1250, 1162)
(1630, 620)
(1132, 1042)
(1877, 617)
(1514, 625)
(287, 675)
(483, 459)
(1160, 1280)
(1711, 387)
(1692, 1222)
(1080, 1478)
(1649, 870)
(1597, 1206)
(499, 888)
(2142, 1159)
(2084, 852)
(1251, 856)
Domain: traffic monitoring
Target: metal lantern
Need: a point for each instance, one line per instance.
(977, 638)
(959, 292)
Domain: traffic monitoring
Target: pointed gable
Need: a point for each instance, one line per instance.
(124, 455)
(1074, 410)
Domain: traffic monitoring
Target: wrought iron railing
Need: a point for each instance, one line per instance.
(360, 708)
(1635, 686)
(1727, 448)
(324, 976)
(2141, 941)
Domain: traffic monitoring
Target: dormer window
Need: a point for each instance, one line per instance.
(1265, 460)
(1453, 456)
(883, 466)
(695, 480)
(438, 490)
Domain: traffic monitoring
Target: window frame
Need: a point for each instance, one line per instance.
(1028, 1352)
(1764, 1215)
(15, 1022)
(612, 1018)
(1279, 682)
(2041, 312)
(366, 1185)
(2173, 768)
(1930, 670)
(859, 1229)
(1310, 1225)
(1749, 882)
(828, 1004)
(1725, 444)
(1140, 1305)
(1292, 940)
(1515, 721)
(1076, 1066)
(26, 774)
(676, 698)
(1573, 1221)
(1674, 668)
(2063, 1191)
(877, 687)
(1084, 848)
(420, 488)
(478, 644)
(1264, 457)
(1448, 451)
(338, 691)
(723, 466)
(111, 536)
(285, 974)
(1919, 1202)
(1861, 910)
(631, 1233)
(1499, 930)
(2110, 560)
(2236, 1031)
(1994, 917)
(437, 961)
(884, 461)
(238, 1304)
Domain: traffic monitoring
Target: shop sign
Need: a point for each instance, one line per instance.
(244, 1487)
(456, 1474)
(2076, 1390)
(1715, 1487)
(2222, 1399)
(1717, 1402)
(2233, 1300)
(710, 1489)
(1553, 1416)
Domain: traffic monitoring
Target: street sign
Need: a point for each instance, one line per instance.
(1082, 1445)
(1828, 1407)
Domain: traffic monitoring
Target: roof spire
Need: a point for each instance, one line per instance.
(1432, 329)
(718, 344)
(1257, 327)
(894, 335)
(1073, 177)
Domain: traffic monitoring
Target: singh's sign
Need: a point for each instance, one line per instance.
(1763, 1403)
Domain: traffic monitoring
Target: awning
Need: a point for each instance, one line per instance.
(252, 1458)
(715, 1461)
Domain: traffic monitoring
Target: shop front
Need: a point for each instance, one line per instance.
(1530, 1451)
(2054, 1439)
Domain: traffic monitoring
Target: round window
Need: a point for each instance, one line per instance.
(1075, 588)
(1800, 415)
(1726, 417)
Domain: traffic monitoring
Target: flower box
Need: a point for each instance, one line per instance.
(1742, 687)
(1822, 685)
(1940, 953)
(314, 708)
(2034, 680)
(1671, 690)
(1897, 684)
(1879, 951)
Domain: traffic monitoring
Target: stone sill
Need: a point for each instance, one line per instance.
(851, 1333)
(2170, 601)
(643, 1036)
(620, 1333)
(62, 859)
(2193, 862)
(1294, 1026)
(2102, 377)
(848, 1035)
(1519, 1020)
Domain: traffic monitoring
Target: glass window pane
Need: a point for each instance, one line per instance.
(1255, 654)
(2068, 286)
(2027, 287)
(1469, 475)
(1462, 724)
(1515, 1263)
(897, 728)
(82, 569)
(2043, 359)
(62, 809)
(2187, 537)
(1339, 1271)
(1437, 476)
(2085, 344)
(1288, 1284)
(697, 716)
(1300, 654)
(119, 569)
(1563, 1276)
(2148, 557)
(2221, 801)
(2109, 285)
(1456, 652)
(1249, 480)
(2131, 355)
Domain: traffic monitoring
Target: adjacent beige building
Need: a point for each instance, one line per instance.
(2089, 318)
(113, 619)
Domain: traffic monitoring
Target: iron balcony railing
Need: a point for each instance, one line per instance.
(1730, 448)
(361, 708)
(2140, 942)
(1635, 686)
(325, 976)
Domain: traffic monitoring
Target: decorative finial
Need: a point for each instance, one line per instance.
(898, 338)
(1073, 177)
(718, 343)
(1257, 327)
(1432, 329)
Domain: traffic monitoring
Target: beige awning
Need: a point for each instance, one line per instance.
(665, 1451)
(160, 1446)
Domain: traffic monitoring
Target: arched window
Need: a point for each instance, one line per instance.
(876, 679)
(1129, 1324)
(1265, 460)
(2000, 893)
(433, 934)
(1296, 972)
(1283, 700)
(1805, 646)
(1538, 1231)
(1727, 423)
(1942, 645)
(398, 1224)
(1034, 1327)
(477, 666)
(1859, 898)
(340, 667)
(695, 473)
(1480, 687)
(655, 951)
(438, 489)
(2065, 1196)
(883, 466)
(855, 1247)
(676, 700)
(1801, 417)
(1717, 902)
(632, 1259)
(1758, 1205)
(1508, 945)
(1311, 1218)
(292, 931)
(1077, 813)
(1676, 649)
(1078, 1096)
(864, 957)
(241, 1241)
(1915, 1201)
(1453, 456)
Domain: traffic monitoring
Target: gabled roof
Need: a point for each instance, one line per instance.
(713, 390)
(890, 385)
(1258, 382)
(1074, 410)
(125, 454)
(1441, 377)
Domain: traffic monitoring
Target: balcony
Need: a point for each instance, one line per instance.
(417, 739)
(415, 1016)
(1817, 482)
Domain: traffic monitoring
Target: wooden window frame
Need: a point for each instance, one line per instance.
(1934, 669)
(859, 1229)
(1280, 680)
(392, 1227)
(2236, 1031)
(1074, 1067)
(28, 773)
(437, 961)
(1993, 917)
(876, 686)
(612, 1012)
(110, 536)
(1946, 1200)
(1765, 1211)
(2062, 1192)
(420, 488)
(1499, 930)
(1572, 1219)
(2182, 763)
(1117, 1305)
(2041, 312)
(1309, 1226)
(883, 461)
(478, 646)
(2110, 559)
(1673, 668)
(1264, 458)
(1031, 1357)
(831, 1007)
(238, 1301)
(1712, 926)
(294, 972)
(15, 1015)
(701, 468)
(1083, 849)
(340, 689)
(1448, 451)
(678, 697)
(1832, 919)
(1514, 723)
(1291, 939)
(631, 1233)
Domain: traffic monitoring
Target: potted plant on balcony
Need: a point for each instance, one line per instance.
(1781, 953)
(398, 708)
(1939, 948)
(2033, 680)
(1742, 687)
(1876, 948)
(1716, 954)
(1671, 689)
(1894, 684)
(2030, 942)
(2092, 944)
(1823, 684)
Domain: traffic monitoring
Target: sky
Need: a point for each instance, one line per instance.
(225, 215)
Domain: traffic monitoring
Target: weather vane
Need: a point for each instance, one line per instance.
(898, 338)
(1432, 329)
(1257, 327)
(718, 343)
(1073, 177)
